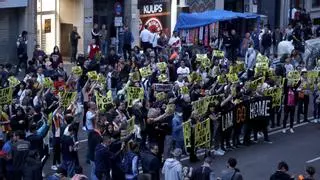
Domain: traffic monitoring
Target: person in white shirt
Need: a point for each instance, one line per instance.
(145, 37)
(175, 41)
(40, 76)
(183, 70)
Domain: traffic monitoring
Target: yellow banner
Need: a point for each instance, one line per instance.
(6, 95)
(13, 81)
(103, 101)
(67, 98)
(145, 71)
(92, 75)
(162, 66)
(200, 106)
(202, 133)
(76, 70)
(134, 93)
(187, 133)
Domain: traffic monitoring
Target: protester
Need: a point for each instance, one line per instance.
(172, 168)
(281, 173)
(204, 172)
(150, 162)
(232, 173)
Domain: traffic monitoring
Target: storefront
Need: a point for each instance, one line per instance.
(156, 14)
(14, 18)
(55, 21)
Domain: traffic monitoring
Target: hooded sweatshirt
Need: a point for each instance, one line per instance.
(172, 170)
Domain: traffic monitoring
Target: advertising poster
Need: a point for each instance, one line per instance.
(155, 14)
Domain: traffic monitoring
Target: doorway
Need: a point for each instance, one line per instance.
(65, 45)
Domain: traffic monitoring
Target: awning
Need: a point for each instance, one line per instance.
(13, 3)
(193, 20)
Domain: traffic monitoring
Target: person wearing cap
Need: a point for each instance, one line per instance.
(172, 168)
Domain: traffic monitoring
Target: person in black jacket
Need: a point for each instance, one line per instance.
(235, 44)
(204, 172)
(22, 49)
(266, 42)
(74, 38)
(94, 139)
(150, 162)
(281, 173)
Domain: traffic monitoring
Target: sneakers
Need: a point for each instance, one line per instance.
(291, 130)
(54, 167)
(219, 152)
(268, 142)
(260, 135)
(284, 131)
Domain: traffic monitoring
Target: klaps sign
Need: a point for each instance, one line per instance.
(152, 8)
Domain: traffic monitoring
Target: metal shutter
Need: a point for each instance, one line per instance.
(4, 36)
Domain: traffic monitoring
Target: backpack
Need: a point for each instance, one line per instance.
(126, 162)
(291, 98)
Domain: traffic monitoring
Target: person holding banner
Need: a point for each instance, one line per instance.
(303, 97)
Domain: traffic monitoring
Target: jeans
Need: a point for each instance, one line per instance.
(74, 51)
(93, 171)
(305, 104)
(276, 116)
(288, 110)
(104, 48)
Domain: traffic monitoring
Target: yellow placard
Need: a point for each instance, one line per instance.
(202, 133)
(135, 76)
(77, 70)
(262, 58)
(162, 66)
(187, 133)
(130, 125)
(200, 106)
(276, 94)
(222, 79)
(258, 82)
(101, 78)
(145, 71)
(13, 81)
(163, 78)
(170, 108)
(161, 96)
(184, 90)
(103, 101)
(313, 75)
(134, 93)
(194, 77)
(233, 78)
(218, 54)
(67, 98)
(93, 75)
(47, 83)
(6, 96)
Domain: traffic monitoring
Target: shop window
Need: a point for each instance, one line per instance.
(315, 3)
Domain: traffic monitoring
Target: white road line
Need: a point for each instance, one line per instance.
(313, 160)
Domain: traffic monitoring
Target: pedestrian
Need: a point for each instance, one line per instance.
(290, 100)
(204, 172)
(235, 45)
(104, 40)
(250, 61)
(310, 172)
(175, 41)
(231, 173)
(74, 38)
(277, 37)
(172, 168)
(282, 172)
(56, 57)
(145, 37)
(150, 162)
(57, 132)
(95, 33)
(246, 43)
(304, 92)
(266, 42)
(69, 149)
(22, 50)
(94, 139)
(130, 161)
(127, 43)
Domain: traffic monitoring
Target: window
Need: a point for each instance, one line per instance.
(315, 3)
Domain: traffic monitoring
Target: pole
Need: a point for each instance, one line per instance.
(117, 40)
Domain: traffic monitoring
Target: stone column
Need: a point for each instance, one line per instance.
(88, 23)
(31, 25)
(219, 4)
(132, 19)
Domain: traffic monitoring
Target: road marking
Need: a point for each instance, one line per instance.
(313, 160)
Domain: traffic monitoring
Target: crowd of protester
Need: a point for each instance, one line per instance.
(37, 120)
